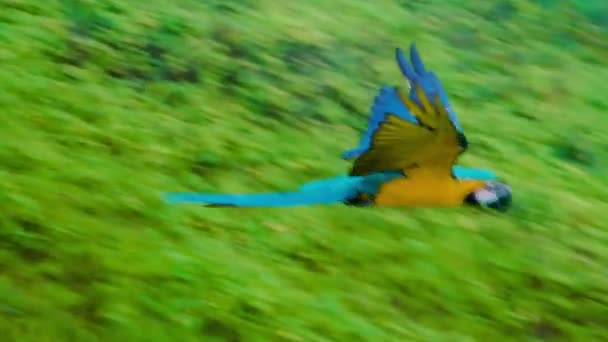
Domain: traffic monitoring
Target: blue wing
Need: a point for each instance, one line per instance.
(388, 100)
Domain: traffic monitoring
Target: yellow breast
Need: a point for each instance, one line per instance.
(425, 192)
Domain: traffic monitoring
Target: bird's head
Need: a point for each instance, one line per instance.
(494, 195)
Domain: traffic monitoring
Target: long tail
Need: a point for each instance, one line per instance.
(329, 191)
(319, 192)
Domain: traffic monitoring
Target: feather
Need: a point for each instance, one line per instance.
(462, 173)
(286, 199)
(405, 67)
(416, 60)
(396, 145)
(420, 76)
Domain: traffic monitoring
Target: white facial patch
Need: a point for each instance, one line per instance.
(485, 196)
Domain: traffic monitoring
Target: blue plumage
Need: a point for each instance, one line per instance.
(286, 199)
(461, 172)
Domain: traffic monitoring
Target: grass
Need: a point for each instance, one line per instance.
(107, 104)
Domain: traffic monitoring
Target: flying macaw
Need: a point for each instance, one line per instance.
(405, 158)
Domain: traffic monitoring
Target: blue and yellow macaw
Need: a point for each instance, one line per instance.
(405, 158)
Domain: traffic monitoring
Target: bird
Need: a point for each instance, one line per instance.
(406, 157)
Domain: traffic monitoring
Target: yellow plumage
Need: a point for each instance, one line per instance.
(425, 191)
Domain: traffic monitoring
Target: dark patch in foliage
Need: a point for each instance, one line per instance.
(74, 53)
(585, 253)
(160, 68)
(273, 77)
(516, 58)
(232, 79)
(535, 282)
(564, 39)
(524, 114)
(598, 104)
(544, 3)
(272, 110)
(248, 311)
(25, 6)
(216, 328)
(206, 162)
(308, 262)
(90, 307)
(476, 95)
(574, 152)
(504, 10)
(463, 37)
(307, 106)
(414, 5)
(349, 58)
(131, 213)
(309, 110)
(128, 74)
(175, 98)
(82, 274)
(83, 23)
(545, 330)
(260, 103)
(339, 97)
(547, 60)
(27, 240)
(155, 52)
(83, 271)
(231, 6)
(593, 59)
(30, 226)
(237, 47)
(301, 57)
(83, 19)
(156, 47)
(115, 148)
(19, 161)
(596, 12)
(188, 74)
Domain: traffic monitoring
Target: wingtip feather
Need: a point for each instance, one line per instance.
(417, 60)
(404, 66)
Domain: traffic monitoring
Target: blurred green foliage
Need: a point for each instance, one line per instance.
(107, 104)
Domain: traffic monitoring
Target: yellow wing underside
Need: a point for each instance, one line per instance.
(431, 146)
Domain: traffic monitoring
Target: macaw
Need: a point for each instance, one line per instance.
(405, 158)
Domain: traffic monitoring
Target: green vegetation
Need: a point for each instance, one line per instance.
(106, 104)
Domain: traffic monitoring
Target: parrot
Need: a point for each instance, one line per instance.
(406, 157)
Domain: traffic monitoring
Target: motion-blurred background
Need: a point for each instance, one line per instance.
(107, 104)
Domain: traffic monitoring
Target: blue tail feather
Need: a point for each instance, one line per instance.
(281, 199)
